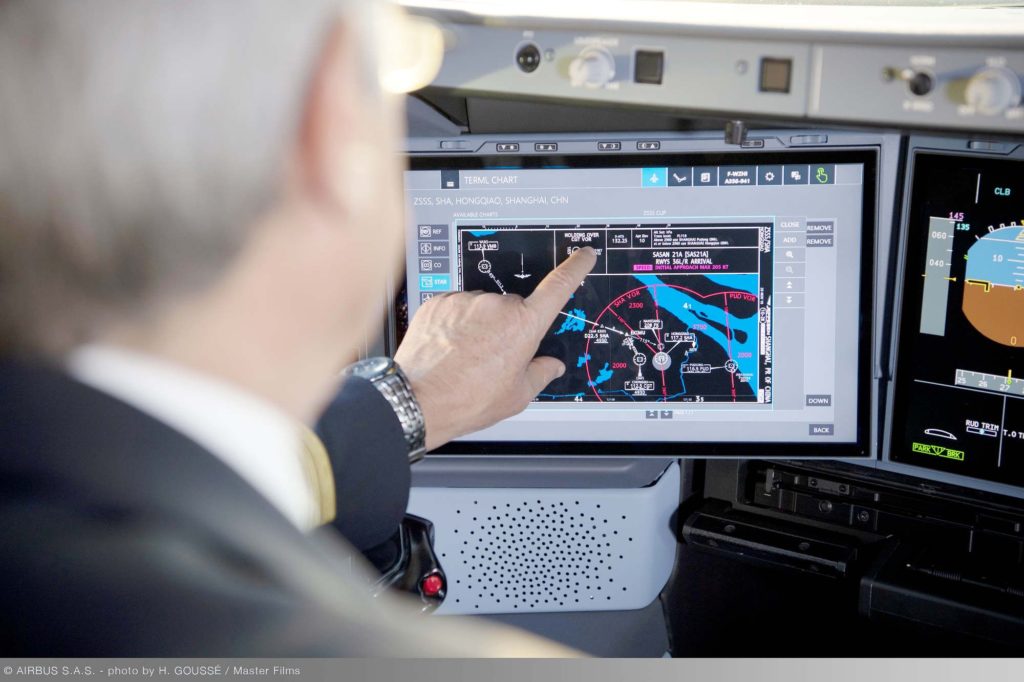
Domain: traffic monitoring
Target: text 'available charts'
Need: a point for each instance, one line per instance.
(994, 287)
(671, 313)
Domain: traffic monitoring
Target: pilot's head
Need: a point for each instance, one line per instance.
(214, 181)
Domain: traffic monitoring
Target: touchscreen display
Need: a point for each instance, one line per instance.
(725, 307)
(959, 404)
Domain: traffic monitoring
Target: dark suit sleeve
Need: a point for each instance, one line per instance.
(370, 460)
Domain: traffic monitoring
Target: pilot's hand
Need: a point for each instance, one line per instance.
(470, 356)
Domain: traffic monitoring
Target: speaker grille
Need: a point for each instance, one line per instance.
(522, 550)
(534, 555)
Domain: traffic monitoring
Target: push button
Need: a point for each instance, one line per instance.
(649, 67)
(432, 585)
(775, 75)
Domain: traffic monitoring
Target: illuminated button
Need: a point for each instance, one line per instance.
(823, 174)
(432, 585)
(435, 282)
(654, 177)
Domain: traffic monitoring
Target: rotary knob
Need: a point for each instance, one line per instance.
(593, 68)
(993, 90)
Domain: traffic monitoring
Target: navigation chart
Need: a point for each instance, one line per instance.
(676, 312)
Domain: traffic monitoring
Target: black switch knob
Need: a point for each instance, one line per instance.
(921, 83)
(528, 58)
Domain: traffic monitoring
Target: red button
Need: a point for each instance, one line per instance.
(431, 585)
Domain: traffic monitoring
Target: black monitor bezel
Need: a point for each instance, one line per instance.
(860, 448)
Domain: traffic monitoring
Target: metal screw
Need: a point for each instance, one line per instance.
(729, 528)
(825, 506)
(804, 546)
(863, 516)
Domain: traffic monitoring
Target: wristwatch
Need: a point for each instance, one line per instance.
(387, 377)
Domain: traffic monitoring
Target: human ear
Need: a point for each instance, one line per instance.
(331, 148)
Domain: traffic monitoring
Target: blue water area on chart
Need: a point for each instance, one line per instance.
(604, 375)
(691, 308)
(575, 321)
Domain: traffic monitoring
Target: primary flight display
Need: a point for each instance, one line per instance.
(959, 394)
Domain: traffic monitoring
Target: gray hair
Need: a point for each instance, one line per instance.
(139, 139)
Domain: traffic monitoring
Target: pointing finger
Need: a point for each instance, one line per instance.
(554, 290)
(542, 371)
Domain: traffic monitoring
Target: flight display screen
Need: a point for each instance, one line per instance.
(959, 397)
(725, 309)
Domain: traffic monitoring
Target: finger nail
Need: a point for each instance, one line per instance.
(561, 371)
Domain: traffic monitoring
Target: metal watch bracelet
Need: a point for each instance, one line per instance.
(395, 388)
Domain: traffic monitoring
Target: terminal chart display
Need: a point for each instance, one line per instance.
(673, 312)
(724, 307)
(959, 403)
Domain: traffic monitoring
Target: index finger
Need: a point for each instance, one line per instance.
(554, 290)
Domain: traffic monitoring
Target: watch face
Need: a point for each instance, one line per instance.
(370, 367)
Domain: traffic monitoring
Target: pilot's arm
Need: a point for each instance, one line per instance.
(469, 362)
(370, 459)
